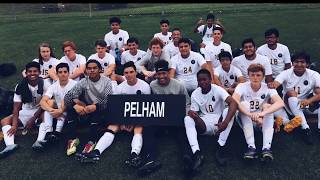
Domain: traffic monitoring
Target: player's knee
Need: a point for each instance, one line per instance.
(291, 93)
(189, 122)
(138, 130)
(6, 121)
(113, 128)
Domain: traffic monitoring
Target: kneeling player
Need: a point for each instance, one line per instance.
(252, 98)
(207, 116)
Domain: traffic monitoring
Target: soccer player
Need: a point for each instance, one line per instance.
(186, 64)
(253, 99)
(212, 50)
(227, 74)
(301, 94)
(173, 47)
(132, 85)
(47, 61)
(26, 108)
(134, 54)
(116, 39)
(87, 100)
(55, 108)
(163, 85)
(250, 57)
(146, 65)
(164, 35)
(208, 116)
(76, 62)
(106, 60)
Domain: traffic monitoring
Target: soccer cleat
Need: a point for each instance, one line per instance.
(187, 165)
(8, 150)
(266, 155)
(38, 146)
(88, 147)
(307, 136)
(293, 123)
(250, 154)
(197, 161)
(149, 167)
(221, 155)
(53, 137)
(72, 146)
(91, 157)
(134, 160)
(278, 122)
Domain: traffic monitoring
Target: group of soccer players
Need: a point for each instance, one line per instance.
(260, 89)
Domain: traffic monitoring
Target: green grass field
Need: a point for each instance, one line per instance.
(298, 25)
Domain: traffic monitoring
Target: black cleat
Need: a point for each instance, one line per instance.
(307, 136)
(134, 161)
(91, 157)
(149, 167)
(221, 155)
(39, 146)
(8, 150)
(250, 154)
(266, 155)
(53, 137)
(187, 165)
(197, 161)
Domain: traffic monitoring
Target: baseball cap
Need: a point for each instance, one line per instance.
(161, 65)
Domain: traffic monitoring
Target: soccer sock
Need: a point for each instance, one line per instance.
(191, 133)
(42, 132)
(247, 127)
(267, 131)
(296, 110)
(48, 120)
(224, 134)
(8, 140)
(283, 114)
(59, 125)
(136, 143)
(105, 141)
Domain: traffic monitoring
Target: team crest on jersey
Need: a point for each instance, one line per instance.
(120, 38)
(139, 58)
(193, 61)
(170, 38)
(138, 92)
(279, 55)
(263, 96)
(221, 50)
(305, 82)
(50, 66)
(231, 76)
(213, 99)
(105, 64)
(77, 66)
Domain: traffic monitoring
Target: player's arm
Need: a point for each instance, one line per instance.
(233, 106)
(199, 23)
(240, 79)
(109, 70)
(15, 117)
(78, 72)
(52, 73)
(269, 80)
(242, 109)
(313, 99)
(33, 119)
(276, 105)
(44, 103)
(23, 73)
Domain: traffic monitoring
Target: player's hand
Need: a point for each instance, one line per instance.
(200, 22)
(221, 126)
(90, 108)
(202, 45)
(255, 117)
(148, 73)
(56, 113)
(12, 130)
(304, 103)
(79, 109)
(271, 85)
(128, 128)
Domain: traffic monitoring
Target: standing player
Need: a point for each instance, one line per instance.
(132, 85)
(106, 60)
(87, 100)
(301, 94)
(186, 64)
(255, 111)
(134, 54)
(26, 108)
(173, 47)
(250, 57)
(76, 62)
(57, 91)
(228, 75)
(208, 116)
(164, 35)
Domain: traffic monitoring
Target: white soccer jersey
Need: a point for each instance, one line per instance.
(243, 63)
(141, 87)
(277, 58)
(212, 51)
(208, 35)
(127, 56)
(227, 78)
(116, 40)
(80, 60)
(58, 92)
(211, 103)
(171, 49)
(256, 99)
(107, 60)
(166, 39)
(187, 68)
(47, 65)
(35, 96)
(303, 85)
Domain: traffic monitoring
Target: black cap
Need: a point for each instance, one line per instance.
(162, 65)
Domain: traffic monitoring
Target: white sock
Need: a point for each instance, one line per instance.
(136, 143)
(104, 142)
(296, 110)
(267, 131)
(191, 133)
(224, 134)
(42, 132)
(8, 140)
(318, 118)
(282, 113)
(247, 125)
(48, 120)
(59, 125)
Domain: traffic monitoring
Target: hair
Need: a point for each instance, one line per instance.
(161, 64)
(184, 40)
(256, 68)
(301, 55)
(114, 20)
(176, 29)
(51, 52)
(156, 41)
(271, 31)
(101, 43)
(133, 40)
(219, 28)
(204, 71)
(164, 21)
(62, 65)
(33, 64)
(224, 54)
(248, 40)
(129, 64)
(69, 43)
(210, 16)
(94, 61)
